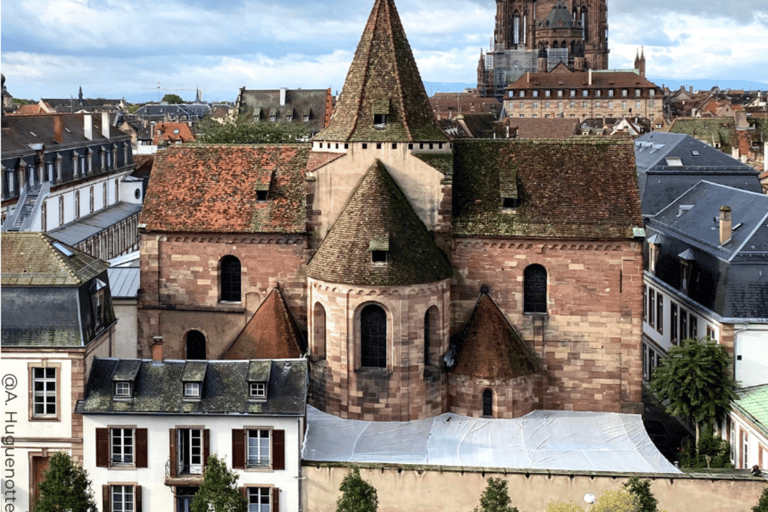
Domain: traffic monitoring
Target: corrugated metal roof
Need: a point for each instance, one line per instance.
(75, 232)
(124, 282)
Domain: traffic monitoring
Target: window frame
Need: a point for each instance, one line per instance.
(55, 394)
(192, 390)
(257, 390)
(113, 443)
(119, 394)
(660, 312)
(230, 280)
(259, 463)
(192, 467)
(258, 492)
(124, 488)
(535, 301)
(374, 346)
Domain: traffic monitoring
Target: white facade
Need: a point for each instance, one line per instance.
(749, 445)
(158, 489)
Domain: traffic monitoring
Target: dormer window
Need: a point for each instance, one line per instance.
(379, 247)
(653, 252)
(191, 390)
(509, 203)
(261, 196)
(289, 118)
(379, 256)
(258, 390)
(122, 390)
(686, 259)
(306, 117)
(379, 121)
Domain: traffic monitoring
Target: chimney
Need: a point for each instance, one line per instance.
(105, 125)
(157, 348)
(528, 76)
(725, 224)
(590, 76)
(58, 128)
(88, 126)
(283, 90)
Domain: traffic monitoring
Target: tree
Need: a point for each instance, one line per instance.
(762, 505)
(640, 490)
(718, 450)
(218, 492)
(695, 378)
(65, 486)
(244, 131)
(495, 497)
(357, 495)
(172, 99)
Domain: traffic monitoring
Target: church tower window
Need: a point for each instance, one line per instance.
(373, 337)
(230, 279)
(535, 289)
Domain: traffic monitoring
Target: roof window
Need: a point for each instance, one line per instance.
(379, 247)
(258, 379)
(674, 161)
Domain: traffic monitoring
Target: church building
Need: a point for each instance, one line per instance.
(419, 275)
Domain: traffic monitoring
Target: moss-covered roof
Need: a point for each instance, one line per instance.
(159, 388)
(215, 189)
(573, 188)
(489, 348)
(440, 162)
(383, 79)
(35, 259)
(271, 333)
(378, 210)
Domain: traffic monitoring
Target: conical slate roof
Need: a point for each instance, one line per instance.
(378, 217)
(383, 79)
(559, 17)
(489, 347)
(271, 333)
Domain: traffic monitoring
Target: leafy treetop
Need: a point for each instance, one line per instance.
(65, 486)
(245, 131)
(495, 497)
(218, 492)
(172, 99)
(357, 495)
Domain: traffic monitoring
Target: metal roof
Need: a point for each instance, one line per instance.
(86, 227)
(124, 282)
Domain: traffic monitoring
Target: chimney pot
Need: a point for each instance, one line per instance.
(726, 223)
(105, 125)
(157, 348)
(88, 126)
(283, 92)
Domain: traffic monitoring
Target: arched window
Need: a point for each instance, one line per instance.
(373, 337)
(431, 335)
(584, 26)
(318, 322)
(516, 29)
(488, 403)
(535, 289)
(195, 345)
(230, 279)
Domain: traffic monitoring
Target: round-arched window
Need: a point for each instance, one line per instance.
(373, 337)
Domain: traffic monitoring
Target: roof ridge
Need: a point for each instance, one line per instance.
(49, 244)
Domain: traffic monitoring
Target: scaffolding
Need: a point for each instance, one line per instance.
(507, 66)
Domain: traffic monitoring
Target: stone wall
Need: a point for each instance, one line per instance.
(590, 338)
(512, 398)
(433, 489)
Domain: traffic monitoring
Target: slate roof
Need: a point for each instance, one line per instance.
(213, 189)
(730, 279)
(158, 389)
(661, 183)
(752, 402)
(383, 78)
(377, 212)
(19, 134)
(573, 188)
(271, 333)
(35, 259)
(85, 227)
(490, 348)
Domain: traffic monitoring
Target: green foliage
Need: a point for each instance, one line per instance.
(172, 99)
(762, 504)
(609, 501)
(20, 101)
(218, 492)
(245, 131)
(132, 109)
(357, 495)
(495, 497)
(695, 379)
(640, 490)
(694, 456)
(559, 506)
(65, 486)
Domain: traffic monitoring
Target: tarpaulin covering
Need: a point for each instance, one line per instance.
(547, 440)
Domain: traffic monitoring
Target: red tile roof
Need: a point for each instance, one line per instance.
(172, 132)
(213, 189)
(271, 333)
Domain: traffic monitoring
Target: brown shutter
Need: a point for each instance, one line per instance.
(238, 448)
(106, 503)
(141, 448)
(172, 454)
(137, 496)
(244, 492)
(206, 446)
(102, 447)
(278, 449)
(275, 499)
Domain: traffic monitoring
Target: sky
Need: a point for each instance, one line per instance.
(124, 49)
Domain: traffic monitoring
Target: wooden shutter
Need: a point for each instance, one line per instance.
(275, 500)
(141, 448)
(238, 448)
(278, 449)
(106, 502)
(172, 454)
(102, 447)
(244, 492)
(137, 497)
(206, 445)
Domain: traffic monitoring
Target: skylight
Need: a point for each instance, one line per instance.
(674, 161)
(63, 250)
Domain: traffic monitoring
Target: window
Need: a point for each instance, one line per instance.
(624, 105)
(652, 307)
(623, 92)
(488, 403)
(693, 321)
(44, 216)
(584, 104)
(660, 313)
(373, 337)
(535, 289)
(257, 390)
(44, 393)
(637, 93)
(560, 93)
(598, 93)
(122, 446)
(645, 303)
(610, 93)
(685, 274)
(585, 93)
(379, 256)
(547, 104)
(673, 324)
(77, 204)
(104, 195)
(91, 201)
(535, 94)
(122, 389)
(258, 448)
(638, 105)
(192, 390)
(683, 324)
(522, 94)
(573, 104)
(189, 448)
(260, 499)
(653, 253)
(61, 210)
(195, 345)
(123, 499)
(379, 121)
(746, 449)
(535, 104)
(547, 93)
(573, 93)
(318, 329)
(230, 279)
(711, 332)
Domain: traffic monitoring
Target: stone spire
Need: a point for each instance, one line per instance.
(383, 98)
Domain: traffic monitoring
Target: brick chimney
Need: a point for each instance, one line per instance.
(58, 129)
(88, 126)
(725, 224)
(157, 348)
(283, 92)
(105, 125)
